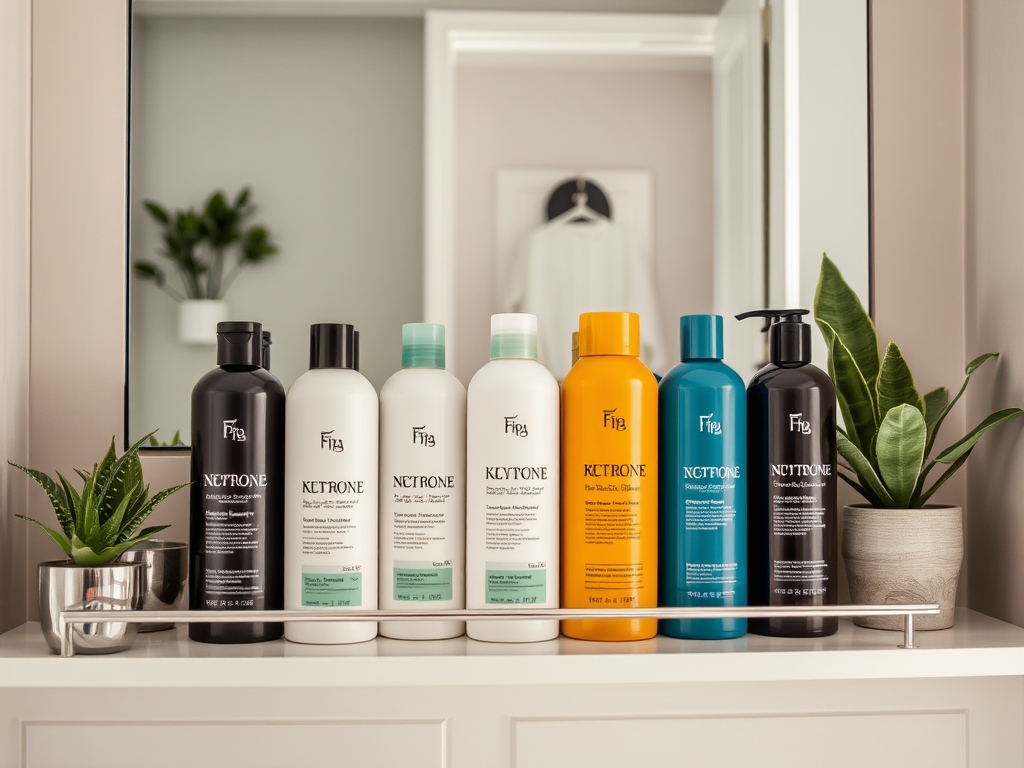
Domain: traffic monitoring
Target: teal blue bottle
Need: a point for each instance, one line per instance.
(702, 516)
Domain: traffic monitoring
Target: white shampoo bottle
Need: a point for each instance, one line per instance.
(512, 493)
(330, 557)
(423, 499)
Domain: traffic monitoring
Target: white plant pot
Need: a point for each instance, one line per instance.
(901, 556)
(198, 318)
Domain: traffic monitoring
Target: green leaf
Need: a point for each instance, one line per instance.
(899, 449)
(88, 521)
(61, 541)
(896, 383)
(74, 502)
(84, 555)
(865, 471)
(837, 306)
(147, 270)
(54, 492)
(967, 442)
(157, 212)
(111, 529)
(123, 473)
(934, 402)
(137, 518)
(972, 366)
(853, 393)
(871, 499)
(922, 499)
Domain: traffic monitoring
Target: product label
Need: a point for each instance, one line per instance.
(329, 586)
(331, 505)
(801, 503)
(516, 583)
(231, 528)
(422, 580)
(709, 510)
(610, 502)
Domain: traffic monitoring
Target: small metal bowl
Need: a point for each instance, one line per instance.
(164, 582)
(63, 585)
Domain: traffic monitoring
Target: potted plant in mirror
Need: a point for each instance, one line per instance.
(97, 524)
(899, 547)
(197, 244)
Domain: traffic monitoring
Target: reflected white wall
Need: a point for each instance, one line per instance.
(323, 117)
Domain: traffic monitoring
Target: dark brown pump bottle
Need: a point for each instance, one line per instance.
(236, 543)
(791, 459)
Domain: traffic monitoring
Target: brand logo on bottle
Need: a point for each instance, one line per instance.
(330, 443)
(801, 470)
(611, 421)
(424, 481)
(516, 473)
(234, 433)
(233, 481)
(513, 427)
(332, 486)
(615, 470)
(718, 473)
(419, 437)
(709, 425)
(797, 424)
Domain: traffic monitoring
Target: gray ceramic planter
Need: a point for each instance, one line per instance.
(903, 556)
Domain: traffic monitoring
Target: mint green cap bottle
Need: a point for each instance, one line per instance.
(422, 345)
(514, 335)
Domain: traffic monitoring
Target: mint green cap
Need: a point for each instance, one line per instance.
(422, 345)
(514, 335)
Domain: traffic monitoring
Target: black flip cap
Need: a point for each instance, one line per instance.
(239, 344)
(355, 348)
(331, 345)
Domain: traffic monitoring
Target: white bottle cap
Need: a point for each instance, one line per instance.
(514, 322)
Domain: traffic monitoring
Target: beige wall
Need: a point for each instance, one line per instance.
(995, 307)
(15, 127)
(79, 56)
(607, 118)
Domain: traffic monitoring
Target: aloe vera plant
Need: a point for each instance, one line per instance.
(100, 522)
(890, 427)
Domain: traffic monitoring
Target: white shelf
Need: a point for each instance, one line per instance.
(977, 646)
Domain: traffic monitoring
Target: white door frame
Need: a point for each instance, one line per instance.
(450, 34)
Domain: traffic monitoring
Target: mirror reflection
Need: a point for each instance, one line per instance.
(279, 174)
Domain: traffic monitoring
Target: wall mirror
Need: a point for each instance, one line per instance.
(400, 160)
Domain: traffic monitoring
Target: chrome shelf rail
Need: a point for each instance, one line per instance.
(69, 618)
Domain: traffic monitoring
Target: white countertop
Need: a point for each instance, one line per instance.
(977, 646)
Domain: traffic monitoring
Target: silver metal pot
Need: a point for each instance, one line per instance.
(64, 585)
(166, 570)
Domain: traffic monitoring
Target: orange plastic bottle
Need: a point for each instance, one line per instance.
(610, 480)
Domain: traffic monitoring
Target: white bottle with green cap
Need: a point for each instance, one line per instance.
(512, 489)
(423, 488)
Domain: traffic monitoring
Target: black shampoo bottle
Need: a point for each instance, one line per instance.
(791, 450)
(236, 549)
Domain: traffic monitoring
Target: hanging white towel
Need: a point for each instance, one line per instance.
(564, 269)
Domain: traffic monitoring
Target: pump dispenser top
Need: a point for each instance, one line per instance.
(789, 340)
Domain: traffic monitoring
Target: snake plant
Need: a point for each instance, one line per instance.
(890, 427)
(100, 522)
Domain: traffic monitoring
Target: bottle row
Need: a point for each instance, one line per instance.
(615, 492)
